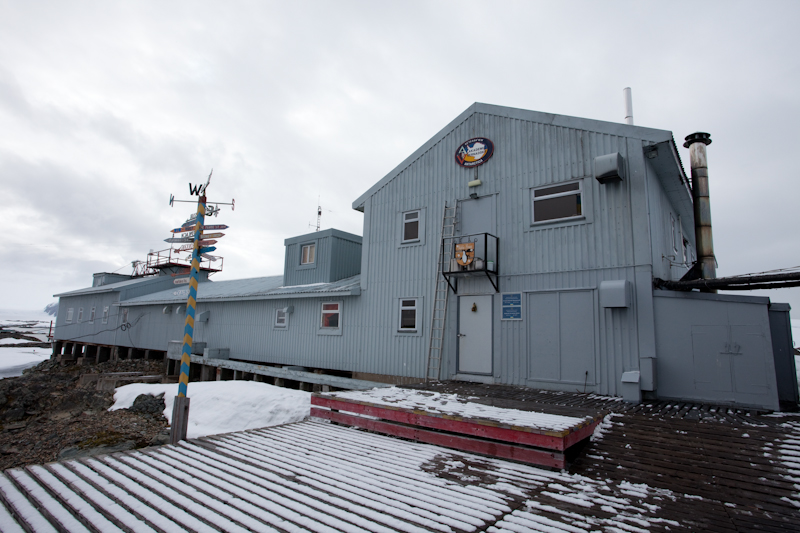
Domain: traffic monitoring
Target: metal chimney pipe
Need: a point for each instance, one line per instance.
(696, 143)
(626, 96)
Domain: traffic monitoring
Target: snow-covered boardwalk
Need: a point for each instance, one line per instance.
(318, 477)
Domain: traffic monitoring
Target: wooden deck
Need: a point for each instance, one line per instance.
(717, 468)
(655, 467)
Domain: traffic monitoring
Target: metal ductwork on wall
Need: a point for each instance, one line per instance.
(706, 262)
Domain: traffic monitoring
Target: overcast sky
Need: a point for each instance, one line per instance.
(109, 107)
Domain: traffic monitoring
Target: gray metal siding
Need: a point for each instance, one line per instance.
(715, 348)
(297, 274)
(85, 331)
(545, 257)
(345, 259)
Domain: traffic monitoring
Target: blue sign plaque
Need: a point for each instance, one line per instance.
(511, 306)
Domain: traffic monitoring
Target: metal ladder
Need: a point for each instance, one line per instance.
(442, 291)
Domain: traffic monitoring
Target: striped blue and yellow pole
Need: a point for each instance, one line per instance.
(191, 302)
(180, 407)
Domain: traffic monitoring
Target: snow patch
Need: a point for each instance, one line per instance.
(452, 405)
(225, 406)
(603, 427)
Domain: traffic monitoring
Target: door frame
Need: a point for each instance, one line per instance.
(491, 337)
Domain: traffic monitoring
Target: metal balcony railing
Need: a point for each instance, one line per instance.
(472, 254)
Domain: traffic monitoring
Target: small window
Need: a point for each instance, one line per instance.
(408, 315)
(124, 316)
(308, 253)
(685, 251)
(69, 314)
(330, 315)
(280, 318)
(557, 202)
(80, 314)
(91, 315)
(411, 226)
(105, 315)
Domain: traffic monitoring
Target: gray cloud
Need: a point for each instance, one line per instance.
(109, 108)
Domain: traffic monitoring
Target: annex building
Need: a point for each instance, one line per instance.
(514, 247)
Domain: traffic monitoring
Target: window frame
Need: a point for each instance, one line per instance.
(70, 313)
(285, 324)
(582, 192)
(311, 246)
(330, 330)
(105, 314)
(92, 313)
(405, 222)
(80, 315)
(402, 242)
(403, 307)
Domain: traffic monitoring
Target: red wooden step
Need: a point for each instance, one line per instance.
(459, 442)
(526, 444)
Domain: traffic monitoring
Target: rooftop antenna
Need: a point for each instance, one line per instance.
(319, 215)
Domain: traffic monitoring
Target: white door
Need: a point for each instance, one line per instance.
(475, 334)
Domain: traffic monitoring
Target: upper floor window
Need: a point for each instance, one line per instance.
(105, 315)
(308, 253)
(69, 314)
(408, 315)
(91, 315)
(80, 314)
(557, 202)
(411, 226)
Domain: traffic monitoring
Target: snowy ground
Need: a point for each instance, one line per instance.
(14, 359)
(225, 406)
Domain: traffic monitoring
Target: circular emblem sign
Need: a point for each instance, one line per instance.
(474, 152)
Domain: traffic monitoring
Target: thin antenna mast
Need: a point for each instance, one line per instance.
(319, 216)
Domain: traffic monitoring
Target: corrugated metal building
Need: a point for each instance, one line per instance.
(561, 224)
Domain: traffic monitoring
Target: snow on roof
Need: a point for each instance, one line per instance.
(264, 288)
(453, 405)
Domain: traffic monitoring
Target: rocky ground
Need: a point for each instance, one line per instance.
(45, 415)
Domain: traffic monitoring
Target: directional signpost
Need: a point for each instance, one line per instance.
(190, 227)
(180, 411)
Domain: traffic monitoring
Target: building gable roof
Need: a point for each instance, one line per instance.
(565, 121)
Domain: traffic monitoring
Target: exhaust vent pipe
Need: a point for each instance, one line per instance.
(626, 96)
(706, 262)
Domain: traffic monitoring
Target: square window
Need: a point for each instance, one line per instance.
(69, 314)
(330, 315)
(411, 226)
(105, 315)
(557, 202)
(281, 318)
(408, 315)
(308, 253)
(80, 314)
(91, 315)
